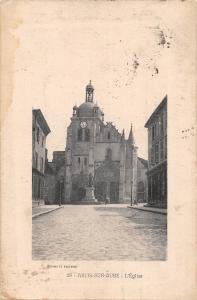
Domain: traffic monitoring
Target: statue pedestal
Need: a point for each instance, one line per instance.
(89, 197)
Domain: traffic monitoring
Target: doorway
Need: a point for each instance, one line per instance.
(81, 193)
(114, 192)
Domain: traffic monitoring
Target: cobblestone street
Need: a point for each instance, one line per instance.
(85, 232)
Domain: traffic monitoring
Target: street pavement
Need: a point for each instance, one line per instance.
(42, 208)
(99, 232)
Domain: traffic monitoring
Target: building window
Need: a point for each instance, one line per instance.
(162, 184)
(36, 160)
(80, 132)
(108, 135)
(156, 129)
(85, 161)
(153, 132)
(38, 134)
(165, 146)
(42, 165)
(79, 161)
(152, 155)
(162, 124)
(165, 120)
(161, 150)
(42, 141)
(157, 153)
(87, 134)
(33, 135)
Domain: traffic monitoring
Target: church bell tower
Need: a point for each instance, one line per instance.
(89, 92)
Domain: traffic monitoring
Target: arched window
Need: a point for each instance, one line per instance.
(87, 134)
(108, 136)
(108, 155)
(80, 134)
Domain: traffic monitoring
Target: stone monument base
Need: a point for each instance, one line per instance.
(89, 197)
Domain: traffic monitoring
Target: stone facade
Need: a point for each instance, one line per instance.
(98, 148)
(142, 183)
(54, 178)
(157, 156)
(40, 130)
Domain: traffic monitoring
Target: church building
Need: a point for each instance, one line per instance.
(98, 150)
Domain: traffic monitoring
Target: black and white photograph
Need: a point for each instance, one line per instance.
(98, 149)
(99, 155)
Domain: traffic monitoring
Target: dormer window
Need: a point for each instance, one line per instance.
(108, 135)
(95, 110)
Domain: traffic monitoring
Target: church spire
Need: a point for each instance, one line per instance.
(89, 92)
(131, 137)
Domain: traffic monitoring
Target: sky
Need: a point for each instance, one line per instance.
(122, 52)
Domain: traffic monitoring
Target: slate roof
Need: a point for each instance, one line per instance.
(42, 121)
(156, 111)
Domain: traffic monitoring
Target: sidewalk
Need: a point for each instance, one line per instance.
(44, 209)
(141, 206)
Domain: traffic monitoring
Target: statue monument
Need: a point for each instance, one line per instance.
(90, 180)
(89, 197)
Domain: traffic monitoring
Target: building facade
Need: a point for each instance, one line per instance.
(40, 130)
(98, 148)
(54, 178)
(142, 183)
(157, 156)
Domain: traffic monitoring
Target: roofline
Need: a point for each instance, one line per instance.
(162, 103)
(43, 121)
(143, 161)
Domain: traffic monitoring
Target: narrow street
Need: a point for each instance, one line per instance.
(96, 232)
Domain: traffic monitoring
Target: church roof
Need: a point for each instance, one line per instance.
(143, 161)
(131, 137)
(86, 109)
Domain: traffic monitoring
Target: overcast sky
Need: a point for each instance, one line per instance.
(123, 52)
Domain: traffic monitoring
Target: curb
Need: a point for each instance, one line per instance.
(149, 210)
(46, 212)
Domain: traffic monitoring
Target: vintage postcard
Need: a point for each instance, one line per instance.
(98, 149)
